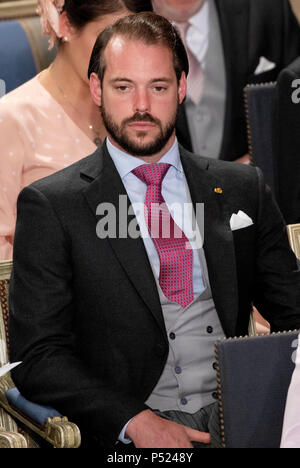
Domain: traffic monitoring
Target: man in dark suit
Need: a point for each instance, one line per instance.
(236, 42)
(116, 328)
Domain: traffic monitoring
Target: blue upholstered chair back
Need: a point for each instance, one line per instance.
(23, 52)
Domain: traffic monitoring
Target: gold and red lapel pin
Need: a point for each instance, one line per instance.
(218, 190)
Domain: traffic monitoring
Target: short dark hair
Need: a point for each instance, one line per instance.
(82, 12)
(147, 27)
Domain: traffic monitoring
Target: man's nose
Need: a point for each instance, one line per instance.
(142, 101)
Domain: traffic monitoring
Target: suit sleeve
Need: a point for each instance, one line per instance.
(277, 279)
(42, 316)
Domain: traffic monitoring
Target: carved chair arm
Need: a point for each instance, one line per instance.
(58, 431)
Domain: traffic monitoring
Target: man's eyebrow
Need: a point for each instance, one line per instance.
(114, 80)
(128, 80)
(163, 79)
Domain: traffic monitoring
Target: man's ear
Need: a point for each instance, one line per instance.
(182, 88)
(95, 87)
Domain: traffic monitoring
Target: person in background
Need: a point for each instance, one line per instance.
(231, 43)
(51, 121)
(114, 315)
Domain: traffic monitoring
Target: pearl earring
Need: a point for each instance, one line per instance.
(65, 39)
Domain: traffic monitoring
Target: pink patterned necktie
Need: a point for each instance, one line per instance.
(173, 247)
(196, 77)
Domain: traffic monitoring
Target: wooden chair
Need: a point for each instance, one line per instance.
(17, 8)
(24, 49)
(259, 103)
(272, 116)
(287, 142)
(57, 431)
(294, 238)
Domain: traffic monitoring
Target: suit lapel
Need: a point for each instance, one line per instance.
(182, 129)
(218, 238)
(234, 21)
(106, 187)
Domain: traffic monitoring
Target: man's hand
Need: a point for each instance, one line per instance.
(147, 430)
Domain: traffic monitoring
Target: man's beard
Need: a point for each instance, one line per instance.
(119, 134)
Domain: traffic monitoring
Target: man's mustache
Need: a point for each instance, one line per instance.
(142, 117)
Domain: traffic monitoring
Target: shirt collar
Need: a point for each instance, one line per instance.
(197, 35)
(201, 19)
(125, 163)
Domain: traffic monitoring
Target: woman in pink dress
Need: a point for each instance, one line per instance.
(51, 121)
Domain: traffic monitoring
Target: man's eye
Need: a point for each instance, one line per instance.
(160, 89)
(122, 88)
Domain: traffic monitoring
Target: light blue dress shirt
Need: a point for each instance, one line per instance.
(176, 195)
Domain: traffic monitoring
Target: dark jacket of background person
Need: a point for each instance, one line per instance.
(250, 30)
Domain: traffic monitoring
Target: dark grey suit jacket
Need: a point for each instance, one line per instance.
(85, 315)
(250, 29)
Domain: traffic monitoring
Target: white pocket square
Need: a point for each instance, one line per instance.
(8, 367)
(240, 221)
(264, 66)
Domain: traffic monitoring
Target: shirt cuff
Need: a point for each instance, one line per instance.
(122, 437)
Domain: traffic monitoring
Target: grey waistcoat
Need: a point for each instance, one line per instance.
(188, 381)
(206, 120)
